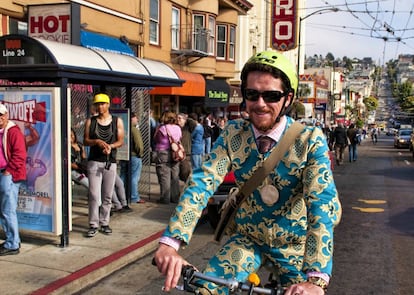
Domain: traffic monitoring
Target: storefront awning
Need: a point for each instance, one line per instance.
(217, 93)
(104, 43)
(34, 59)
(194, 85)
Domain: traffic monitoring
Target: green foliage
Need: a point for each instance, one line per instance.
(403, 91)
(359, 122)
(330, 57)
(407, 104)
(303, 90)
(371, 103)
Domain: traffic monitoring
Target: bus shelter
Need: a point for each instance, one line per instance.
(35, 81)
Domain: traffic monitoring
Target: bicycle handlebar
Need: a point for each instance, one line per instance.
(189, 274)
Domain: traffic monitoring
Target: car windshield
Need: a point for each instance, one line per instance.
(407, 132)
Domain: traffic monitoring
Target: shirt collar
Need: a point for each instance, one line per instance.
(275, 133)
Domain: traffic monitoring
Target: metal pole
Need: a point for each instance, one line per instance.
(333, 9)
(299, 45)
(64, 238)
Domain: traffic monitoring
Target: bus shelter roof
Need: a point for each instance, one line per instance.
(32, 59)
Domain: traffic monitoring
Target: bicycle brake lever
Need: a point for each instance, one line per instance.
(187, 273)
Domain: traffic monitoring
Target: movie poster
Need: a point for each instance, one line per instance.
(38, 205)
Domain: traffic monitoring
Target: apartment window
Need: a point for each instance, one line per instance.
(175, 29)
(232, 43)
(212, 34)
(221, 41)
(200, 33)
(154, 27)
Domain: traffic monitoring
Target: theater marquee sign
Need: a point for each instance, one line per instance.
(284, 24)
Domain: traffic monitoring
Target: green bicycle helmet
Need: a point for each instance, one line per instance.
(279, 66)
(275, 60)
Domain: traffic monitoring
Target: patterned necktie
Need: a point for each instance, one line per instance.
(265, 143)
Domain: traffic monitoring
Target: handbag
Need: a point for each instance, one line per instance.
(227, 218)
(177, 149)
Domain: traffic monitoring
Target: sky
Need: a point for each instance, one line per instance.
(359, 28)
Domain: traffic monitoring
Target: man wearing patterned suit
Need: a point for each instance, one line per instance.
(292, 228)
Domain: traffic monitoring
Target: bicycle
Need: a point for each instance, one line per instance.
(190, 276)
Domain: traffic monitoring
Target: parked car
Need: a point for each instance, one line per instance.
(391, 131)
(217, 199)
(402, 138)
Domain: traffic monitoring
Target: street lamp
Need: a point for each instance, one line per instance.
(320, 11)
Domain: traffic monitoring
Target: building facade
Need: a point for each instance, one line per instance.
(198, 39)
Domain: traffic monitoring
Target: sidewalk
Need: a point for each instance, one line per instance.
(43, 267)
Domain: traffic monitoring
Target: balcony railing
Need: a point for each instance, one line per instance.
(195, 42)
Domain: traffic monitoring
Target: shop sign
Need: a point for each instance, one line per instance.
(235, 95)
(50, 22)
(284, 18)
(218, 95)
(308, 100)
(320, 106)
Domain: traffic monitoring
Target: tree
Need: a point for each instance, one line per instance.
(303, 90)
(330, 57)
(371, 103)
(403, 91)
(407, 105)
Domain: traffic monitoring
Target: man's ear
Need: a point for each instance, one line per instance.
(289, 99)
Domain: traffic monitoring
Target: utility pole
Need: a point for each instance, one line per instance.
(319, 11)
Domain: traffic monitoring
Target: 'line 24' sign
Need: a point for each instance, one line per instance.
(284, 20)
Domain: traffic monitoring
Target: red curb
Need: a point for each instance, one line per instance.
(96, 265)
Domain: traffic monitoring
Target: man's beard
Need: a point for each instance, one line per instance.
(261, 125)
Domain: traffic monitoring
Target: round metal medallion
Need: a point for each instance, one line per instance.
(269, 194)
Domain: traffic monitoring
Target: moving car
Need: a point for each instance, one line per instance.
(402, 138)
(216, 201)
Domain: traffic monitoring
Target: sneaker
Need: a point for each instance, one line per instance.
(140, 201)
(92, 232)
(5, 251)
(2, 245)
(125, 209)
(105, 229)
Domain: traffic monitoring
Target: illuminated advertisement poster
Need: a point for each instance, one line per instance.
(31, 110)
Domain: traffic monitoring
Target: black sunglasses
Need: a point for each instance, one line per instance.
(268, 96)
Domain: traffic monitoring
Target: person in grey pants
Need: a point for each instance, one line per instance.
(104, 133)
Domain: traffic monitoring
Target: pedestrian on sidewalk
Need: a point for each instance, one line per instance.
(78, 161)
(197, 142)
(187, 126)
(12, 172)
(167, 169)
(137, 151)
(104, 133)
(119, 201)
(353, 136)
(339, 143)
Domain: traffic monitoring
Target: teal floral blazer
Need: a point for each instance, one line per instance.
(299, 226)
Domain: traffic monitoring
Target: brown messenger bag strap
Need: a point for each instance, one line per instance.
(270, 163)
(258, 176)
